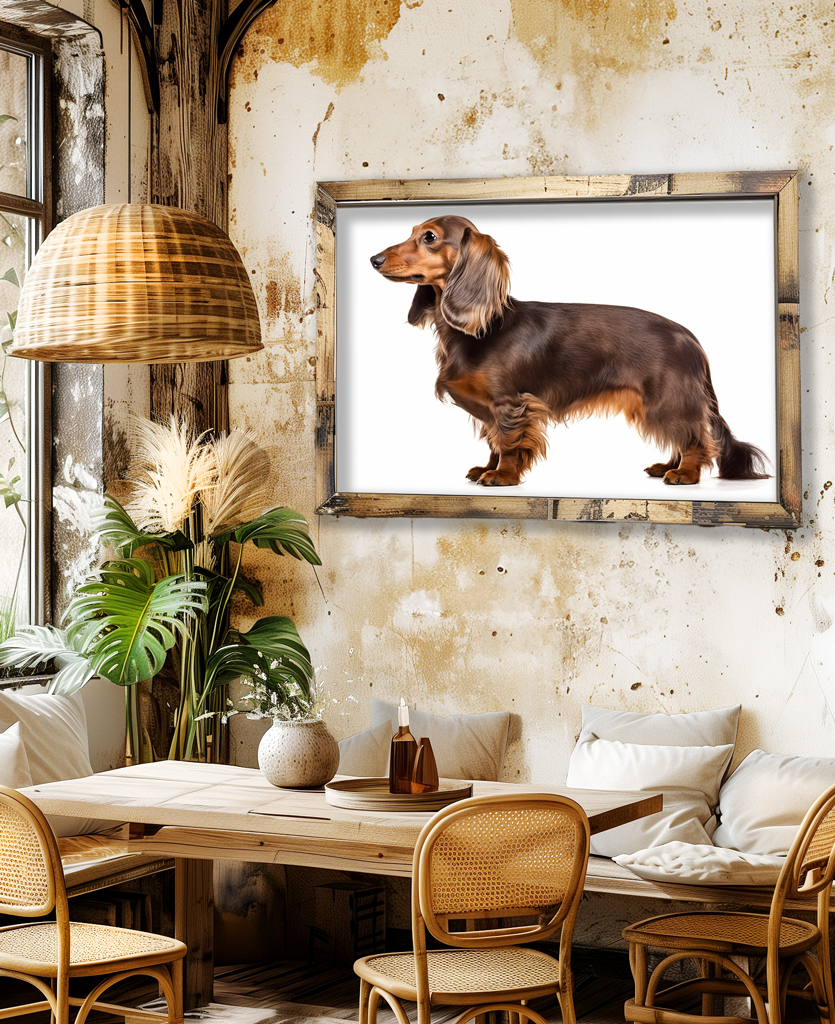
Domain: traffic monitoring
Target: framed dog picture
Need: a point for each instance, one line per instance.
(583, 348)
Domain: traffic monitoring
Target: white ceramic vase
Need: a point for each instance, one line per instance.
(298, 754)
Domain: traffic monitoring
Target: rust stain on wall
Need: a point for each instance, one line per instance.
(614, 34)
(283, 290)
(338, 37)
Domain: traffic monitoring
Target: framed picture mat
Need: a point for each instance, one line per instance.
(779, 186)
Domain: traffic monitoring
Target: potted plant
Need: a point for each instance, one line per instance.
(178, 544)
(297, 751)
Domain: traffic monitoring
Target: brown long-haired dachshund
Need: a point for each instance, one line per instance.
(518, 366)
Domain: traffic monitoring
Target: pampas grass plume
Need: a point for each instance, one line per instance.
(239, 486)
(170, 469)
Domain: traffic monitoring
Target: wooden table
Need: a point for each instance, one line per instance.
(199, 813)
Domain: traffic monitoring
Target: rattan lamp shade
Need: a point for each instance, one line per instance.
(136, 283)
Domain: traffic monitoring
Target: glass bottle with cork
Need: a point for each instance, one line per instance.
(403, 752)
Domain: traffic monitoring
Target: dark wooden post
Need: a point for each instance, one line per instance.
(189, 167)
(189, 163)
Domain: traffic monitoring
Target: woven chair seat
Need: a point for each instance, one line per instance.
(36, 946)
(723, 933)
(474, 972)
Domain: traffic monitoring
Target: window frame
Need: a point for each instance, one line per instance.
(38, 205)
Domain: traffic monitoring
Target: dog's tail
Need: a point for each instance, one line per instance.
(737, 460)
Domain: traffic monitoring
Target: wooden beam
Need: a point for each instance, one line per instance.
(189, 168)
(231, 33)
(189, 171)
(143, 36)
(194, 917)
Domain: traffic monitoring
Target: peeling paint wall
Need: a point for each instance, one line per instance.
(538, 617)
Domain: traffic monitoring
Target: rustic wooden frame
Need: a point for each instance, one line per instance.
(41, 210)
(781, 186)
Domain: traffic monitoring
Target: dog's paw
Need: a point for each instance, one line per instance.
(499, 478)
(476, 473)
(682, 476)
(657, 469)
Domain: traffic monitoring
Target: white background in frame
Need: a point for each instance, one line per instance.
(706, 264)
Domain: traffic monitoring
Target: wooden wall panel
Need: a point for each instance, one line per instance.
(189, 171)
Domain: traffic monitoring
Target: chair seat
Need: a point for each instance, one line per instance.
(745, 934)
(33, 948)
(466, 975)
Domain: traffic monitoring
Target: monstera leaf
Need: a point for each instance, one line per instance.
(126, 623)
(114, 526)
(281, 530)
(271, 651)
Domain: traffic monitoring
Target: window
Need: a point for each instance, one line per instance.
(25, 207)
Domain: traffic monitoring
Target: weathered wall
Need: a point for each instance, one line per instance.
(538, 617)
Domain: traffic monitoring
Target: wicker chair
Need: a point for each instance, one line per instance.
(47, 954)
(715, 939)
(518, 860)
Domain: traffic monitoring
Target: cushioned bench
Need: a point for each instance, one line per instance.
(604, 875)
(43, 738)
(685, 756)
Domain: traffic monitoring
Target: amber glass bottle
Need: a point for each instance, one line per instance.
(403, 751)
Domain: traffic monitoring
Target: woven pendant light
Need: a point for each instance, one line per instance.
(136, 283)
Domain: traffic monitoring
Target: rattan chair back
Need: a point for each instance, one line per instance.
(516, 859)
(29, 883)
(810, 864)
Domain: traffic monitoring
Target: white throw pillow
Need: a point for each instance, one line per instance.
(694, 729)
(53, 731)
(465, 746)
(689, 778)
(367, 753)
(702, 865)
(714, 728)
(14, 766)
(763, 803)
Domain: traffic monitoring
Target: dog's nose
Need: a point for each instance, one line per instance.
(378, 260)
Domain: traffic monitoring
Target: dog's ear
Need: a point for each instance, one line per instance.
(477, 287)
(422, 309)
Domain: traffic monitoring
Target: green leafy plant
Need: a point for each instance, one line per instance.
(179, 547)
(284, 700)
(10, 492)
(8, 621)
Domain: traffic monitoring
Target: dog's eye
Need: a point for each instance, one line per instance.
(430, 236)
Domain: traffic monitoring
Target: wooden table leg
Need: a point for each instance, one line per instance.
(194, 925)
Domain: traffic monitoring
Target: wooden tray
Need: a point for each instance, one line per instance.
(373, 795)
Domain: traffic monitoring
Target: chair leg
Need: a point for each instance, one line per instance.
(175, 1011)
(824, 955)
(709, 970)
(365, 996)
(62, 999)
(565, 996)
(821, 981)
(638, 965)
(424, 1011)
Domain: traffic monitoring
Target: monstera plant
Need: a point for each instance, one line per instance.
(178, 545)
